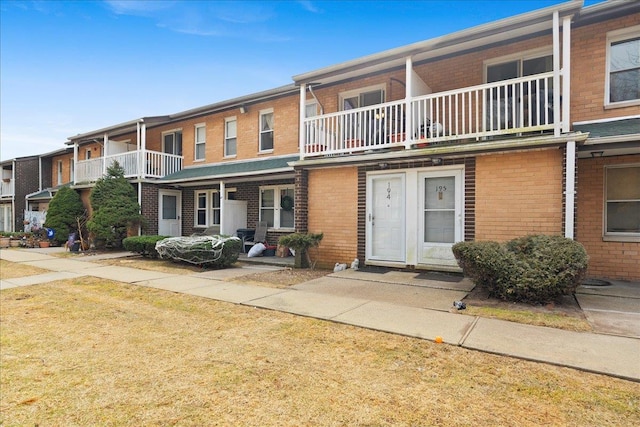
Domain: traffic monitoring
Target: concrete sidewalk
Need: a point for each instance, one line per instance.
(400, 303)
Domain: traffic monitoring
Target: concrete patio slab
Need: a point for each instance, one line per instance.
(405, 278)
(609, 354)
(310, 304)
(615, 323)
(38, 279)
(411, 296)
(410, 321)
(617, 288)
(233, 292)
(609, 303)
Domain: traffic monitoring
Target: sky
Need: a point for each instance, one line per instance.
(70, 67)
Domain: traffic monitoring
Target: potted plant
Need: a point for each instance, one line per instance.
(301, 243)
(5, 240)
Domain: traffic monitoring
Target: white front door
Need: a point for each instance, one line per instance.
(386, 217)
(169, 212)
(440, 216)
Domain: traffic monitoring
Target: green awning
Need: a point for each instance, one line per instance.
(233, 169)
(612, 128)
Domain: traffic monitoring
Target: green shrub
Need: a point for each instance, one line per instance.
(115, 207)
(214, 251)
(535, 269)
(64, 213)
(143, 245)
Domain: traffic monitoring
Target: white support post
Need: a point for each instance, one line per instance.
(142, 148)
(105, 143)
(408, 113)
(570, 188)
(301, 128)
(556, 71)
(223, 199)
(75, 160)
(566, 74)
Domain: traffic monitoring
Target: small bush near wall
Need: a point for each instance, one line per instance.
(143, 245)
(534, 269)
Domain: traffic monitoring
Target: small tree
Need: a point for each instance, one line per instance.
(64, 211)
(301, 243)
(115, 207)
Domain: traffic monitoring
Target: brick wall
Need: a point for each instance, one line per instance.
(149, 208)
(519, 194)
(615, 260)
(333, 210)
(27, 180)
(588, 70)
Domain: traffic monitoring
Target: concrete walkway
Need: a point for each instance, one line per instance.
(401, 303)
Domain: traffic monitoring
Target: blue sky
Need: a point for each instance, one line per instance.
(69, 67)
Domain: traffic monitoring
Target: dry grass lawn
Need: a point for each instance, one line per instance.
(11, 270)
(90, 352)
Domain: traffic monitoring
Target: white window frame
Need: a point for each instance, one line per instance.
(228, 138)
(276, 205)
(174, 133)
(72, 170)
(308, 105)
(199, 143)
(614, 37)
(520, 56)
(357, 92)
(59, 172)
(611, 235)
(264, 113)
(210, 209)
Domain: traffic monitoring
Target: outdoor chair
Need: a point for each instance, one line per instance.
(260, 236)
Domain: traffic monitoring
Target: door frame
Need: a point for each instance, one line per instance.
(178, 194)
(370, 214)
(413, 215)
(458, 174)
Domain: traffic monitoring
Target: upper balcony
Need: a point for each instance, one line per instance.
(136, 164)
(505, 109)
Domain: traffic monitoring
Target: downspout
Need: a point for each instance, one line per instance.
(317, 100)
(301, 126)
(570, 187)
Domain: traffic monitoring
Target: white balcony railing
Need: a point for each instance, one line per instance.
(6, 187)
(506, 108)
(143, 163)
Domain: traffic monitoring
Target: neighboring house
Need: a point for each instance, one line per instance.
(20, 176)
(55, 170)
(223, 165)
(479, 135)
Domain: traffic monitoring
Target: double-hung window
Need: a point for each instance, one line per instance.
(623, 67)
(230, 137)
(201, 139)
(59, 172)
(207, 209)
(266, 130)
(622, 202)
(277, 206)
